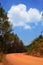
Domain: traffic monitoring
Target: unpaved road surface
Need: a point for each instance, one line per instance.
(22, 59)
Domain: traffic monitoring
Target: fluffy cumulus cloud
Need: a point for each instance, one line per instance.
(19, 16)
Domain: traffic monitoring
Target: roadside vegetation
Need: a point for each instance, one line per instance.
(9, 42)
(36, 47)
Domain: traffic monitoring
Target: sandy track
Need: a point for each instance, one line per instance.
(22, 59)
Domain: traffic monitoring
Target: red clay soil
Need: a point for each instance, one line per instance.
(22, 59)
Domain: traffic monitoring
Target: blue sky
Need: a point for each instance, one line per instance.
(25, 16)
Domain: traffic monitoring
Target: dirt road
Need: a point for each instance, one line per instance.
(22, 59)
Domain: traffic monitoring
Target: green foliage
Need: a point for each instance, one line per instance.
(5, 28)
(16, 46)
(9, 42)
(36, 47)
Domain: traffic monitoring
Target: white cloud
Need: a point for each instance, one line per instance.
(34, 14)
(27, 27)
(19, 16)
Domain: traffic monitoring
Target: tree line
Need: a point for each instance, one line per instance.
(9, 42)
(36, 47)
